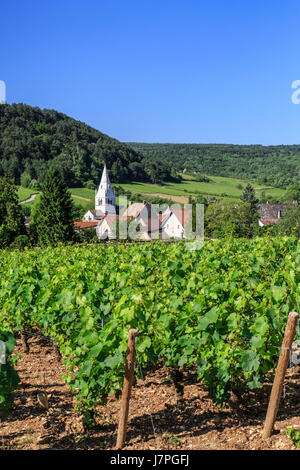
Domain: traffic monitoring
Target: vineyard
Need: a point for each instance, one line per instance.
(219, 312)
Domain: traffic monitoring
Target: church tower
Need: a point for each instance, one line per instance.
(105, 199)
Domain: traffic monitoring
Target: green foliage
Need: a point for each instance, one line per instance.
(202, 178)
(26, 210)
(292, 193)
(277, 166)
(11, 217)
(294, 434)
(53, 217)
(25, 180)
(220, 311)
(290, 223)
(78, 211)
(9, 378)
(34, 184)
(248, 196)
(87, 235)
(90, 185)
(228, 219)
(33, 139)
(20, 242)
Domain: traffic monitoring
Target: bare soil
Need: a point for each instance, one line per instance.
(81, 197)
(191, 424)
(180, 199)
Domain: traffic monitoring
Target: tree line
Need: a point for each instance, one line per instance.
(277, 166)
(32, 140)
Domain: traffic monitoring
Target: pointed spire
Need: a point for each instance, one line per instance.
(105, 181)
(105, 196)
(105, 178)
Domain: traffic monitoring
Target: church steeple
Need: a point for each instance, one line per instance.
(105, 199)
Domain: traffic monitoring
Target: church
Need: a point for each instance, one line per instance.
(105, 200)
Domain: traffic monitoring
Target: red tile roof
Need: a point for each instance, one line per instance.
(86, 224)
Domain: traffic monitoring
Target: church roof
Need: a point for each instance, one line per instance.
(105, 184)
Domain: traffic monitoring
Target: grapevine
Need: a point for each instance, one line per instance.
(220, 310)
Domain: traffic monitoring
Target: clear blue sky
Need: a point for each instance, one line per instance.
(158, 70)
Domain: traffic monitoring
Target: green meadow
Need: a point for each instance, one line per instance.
(25, 193)
(219, 187)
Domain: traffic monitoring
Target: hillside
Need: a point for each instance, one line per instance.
(271, 165)
(31, 139)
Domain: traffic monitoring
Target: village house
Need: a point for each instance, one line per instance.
(142, 222)
(271, 213)
(146, 220)
(106, 228)
(174, 222)
(92, 215)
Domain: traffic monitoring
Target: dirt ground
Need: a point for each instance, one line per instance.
(180, 199)
(194, 424)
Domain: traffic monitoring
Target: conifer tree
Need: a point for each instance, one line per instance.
(11, 218)
(53, 218)
(248, 196)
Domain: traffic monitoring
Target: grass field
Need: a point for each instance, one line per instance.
(83, 193)
(225, 188)
(25, 193)
(219, 187)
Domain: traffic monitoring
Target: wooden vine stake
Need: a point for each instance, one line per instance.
(129, 371)
(280, 374)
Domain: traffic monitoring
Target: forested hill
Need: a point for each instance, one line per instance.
(275, 165)
(31, 139)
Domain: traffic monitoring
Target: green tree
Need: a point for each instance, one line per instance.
(249, 197)
(11, 217)
(53, 217)
(290, 223)
(25, 180)
(292, 193)
(228, 219)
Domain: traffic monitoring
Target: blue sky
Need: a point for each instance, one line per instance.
(158, 70)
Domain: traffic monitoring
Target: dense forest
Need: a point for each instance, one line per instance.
(274, 165)
(32, 139)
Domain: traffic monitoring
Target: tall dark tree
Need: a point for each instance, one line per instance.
(249, 197)
(11, 218)
(53, 218)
